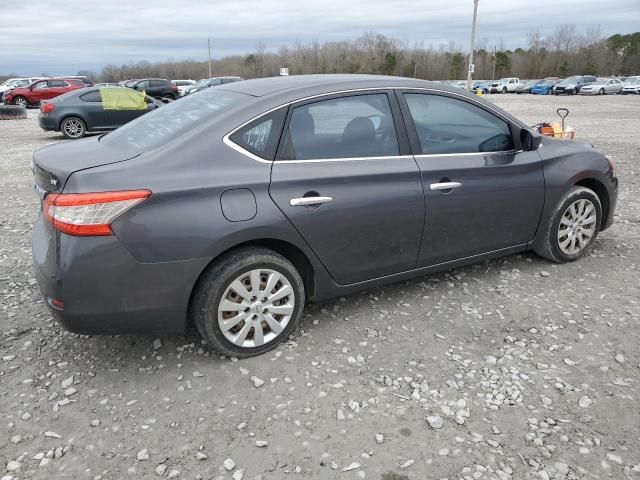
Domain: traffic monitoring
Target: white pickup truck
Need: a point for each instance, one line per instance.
(504, 85)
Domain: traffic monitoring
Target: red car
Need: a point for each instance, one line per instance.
(41, 90)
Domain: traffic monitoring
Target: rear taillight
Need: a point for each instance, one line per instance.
(174, 88)
(47, 107)
(89, 214)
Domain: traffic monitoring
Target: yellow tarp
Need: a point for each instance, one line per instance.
(120, 98)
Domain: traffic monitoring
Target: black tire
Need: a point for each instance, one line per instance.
(214, 283)
(73, 128)
(21, 101)
(548, 245)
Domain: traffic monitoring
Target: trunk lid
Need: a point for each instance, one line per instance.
(54, 164)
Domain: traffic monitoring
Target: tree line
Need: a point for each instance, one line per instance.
(566, 51)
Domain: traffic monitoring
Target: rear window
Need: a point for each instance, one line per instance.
(160, 126)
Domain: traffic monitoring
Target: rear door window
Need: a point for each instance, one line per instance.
(91, 96)
(446, 125)
(356, 126)
(57, 83)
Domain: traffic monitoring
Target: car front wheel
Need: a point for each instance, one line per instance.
(248, 302)
(21, 101)
(573, 227)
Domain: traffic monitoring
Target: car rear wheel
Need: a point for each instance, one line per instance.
(248, 302)
(21, 101)
(73, 128)
(573, 227)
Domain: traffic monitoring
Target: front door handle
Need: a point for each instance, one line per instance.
(445, 185)
(305, 201)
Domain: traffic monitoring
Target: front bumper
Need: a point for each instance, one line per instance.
(104, 290)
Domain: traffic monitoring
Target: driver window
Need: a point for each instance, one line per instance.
(359, 126)
(41, 85)
(447, 125)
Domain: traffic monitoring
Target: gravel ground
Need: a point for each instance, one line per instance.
(510, 369)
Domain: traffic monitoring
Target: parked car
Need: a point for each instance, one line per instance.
(183, 85)
(504, 85)
(93, 110)
(107, 84)
(210, 82)
(40, 90)
(525, 87)
(543, 88)
(482, 86)
(86, 80)
(155, 87)
(572, 85)
(16, 83)
(602, 87)
(233, 207)
(631, 86)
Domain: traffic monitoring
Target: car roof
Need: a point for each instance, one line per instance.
(318, 84)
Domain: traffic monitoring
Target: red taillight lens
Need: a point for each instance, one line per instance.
(89, 214)
(174, 88)
(47, 107)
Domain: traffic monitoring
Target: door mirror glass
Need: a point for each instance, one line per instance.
(529, 140)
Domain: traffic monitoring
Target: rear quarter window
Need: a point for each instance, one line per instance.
(260, 137)
(91, 97)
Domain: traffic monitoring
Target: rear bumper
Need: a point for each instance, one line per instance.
(104, 290)
(48, 123)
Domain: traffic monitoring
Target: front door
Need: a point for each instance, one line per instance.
(345, 180)
(481, 194)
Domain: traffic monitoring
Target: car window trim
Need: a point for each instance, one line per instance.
(231, 144)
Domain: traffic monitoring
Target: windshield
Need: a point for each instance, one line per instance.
(632, 80)
(161, 126)
(8, 82)
(202, 83)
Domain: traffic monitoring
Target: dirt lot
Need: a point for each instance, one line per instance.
(511, 369)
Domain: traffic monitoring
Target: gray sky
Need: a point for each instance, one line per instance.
(62, 37)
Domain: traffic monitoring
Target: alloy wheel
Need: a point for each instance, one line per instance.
(73, 128)
(577, 227)
(256, 307)
(20, 101)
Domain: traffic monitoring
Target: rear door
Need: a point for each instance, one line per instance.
(344, 178)
(55, 88)
(482, 194)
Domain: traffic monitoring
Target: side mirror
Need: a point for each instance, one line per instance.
(529, 140)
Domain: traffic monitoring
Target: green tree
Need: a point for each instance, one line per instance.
(389, 63)
(457, 65)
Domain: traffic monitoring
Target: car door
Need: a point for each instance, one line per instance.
(482, 193)
(145, 86)
(54, 89)
(39, 91)
(345, 180)
(90, 105)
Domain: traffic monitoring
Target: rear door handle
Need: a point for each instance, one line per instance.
(445, 185)
(304, 201)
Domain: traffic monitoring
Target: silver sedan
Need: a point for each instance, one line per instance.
(602, 87)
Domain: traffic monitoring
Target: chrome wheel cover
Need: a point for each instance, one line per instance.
(577, 227)
(21, 102)
(256, 307)
(73, 128)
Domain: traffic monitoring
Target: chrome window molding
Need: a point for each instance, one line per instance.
(231, 144)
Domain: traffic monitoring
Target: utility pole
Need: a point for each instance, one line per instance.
(473, 38)
(493, 73)
(209, 46)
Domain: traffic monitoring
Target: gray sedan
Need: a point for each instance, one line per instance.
(234, 207)
(602, 86)
(81, 111)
